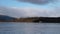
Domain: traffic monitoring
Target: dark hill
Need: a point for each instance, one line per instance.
(6, 18)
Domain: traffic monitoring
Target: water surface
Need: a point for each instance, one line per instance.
(29, 28)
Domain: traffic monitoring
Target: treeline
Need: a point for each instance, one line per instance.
(4, 18)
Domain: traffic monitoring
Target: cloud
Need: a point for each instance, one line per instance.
(29, 12)
(11, 12)
(38, 1)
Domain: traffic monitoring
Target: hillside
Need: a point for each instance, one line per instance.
(4, 18)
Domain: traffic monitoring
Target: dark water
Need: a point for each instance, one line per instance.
(29, 28)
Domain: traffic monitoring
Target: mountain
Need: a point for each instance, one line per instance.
(6, 18)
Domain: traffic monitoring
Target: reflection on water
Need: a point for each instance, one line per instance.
(29, 28)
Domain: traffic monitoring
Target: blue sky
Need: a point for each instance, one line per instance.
(16, 8)
(14, 3)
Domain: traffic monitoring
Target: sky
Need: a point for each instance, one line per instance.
(30, 8)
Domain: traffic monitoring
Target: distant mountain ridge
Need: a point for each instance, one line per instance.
(6, 18)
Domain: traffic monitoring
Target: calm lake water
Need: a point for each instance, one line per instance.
(29, 28)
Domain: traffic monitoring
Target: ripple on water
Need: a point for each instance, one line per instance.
(29, 28)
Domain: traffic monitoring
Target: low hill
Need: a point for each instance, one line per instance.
(6, 18)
